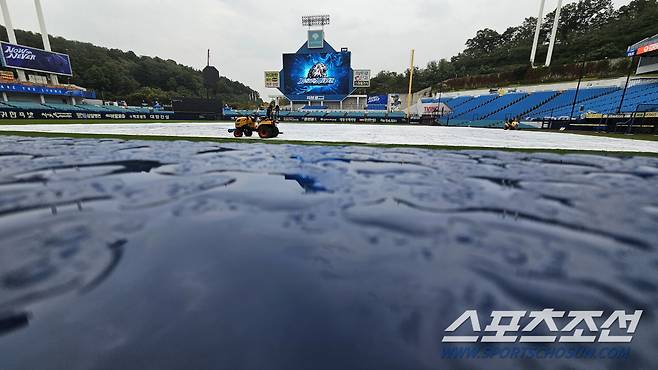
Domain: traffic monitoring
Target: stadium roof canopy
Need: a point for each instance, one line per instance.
(644, 47)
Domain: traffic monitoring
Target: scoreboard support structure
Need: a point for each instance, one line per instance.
(42, 28)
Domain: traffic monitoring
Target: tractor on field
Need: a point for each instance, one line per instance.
(246, 126)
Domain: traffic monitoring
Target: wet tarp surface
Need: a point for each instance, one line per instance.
(177, 255)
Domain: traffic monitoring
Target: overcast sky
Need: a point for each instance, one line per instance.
(248, 37)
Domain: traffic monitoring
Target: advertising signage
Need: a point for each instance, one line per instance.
(272, 79)
(647, 49)
(32, 59)
(361, 78)
(378, 100)
(321, 76)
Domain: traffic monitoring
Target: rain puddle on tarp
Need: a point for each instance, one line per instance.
(168, 255)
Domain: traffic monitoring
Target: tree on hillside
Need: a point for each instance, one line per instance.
(117, 74)
(485, 41)
(590, 29)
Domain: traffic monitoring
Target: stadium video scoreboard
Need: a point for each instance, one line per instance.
(33, 59)
(309, 76)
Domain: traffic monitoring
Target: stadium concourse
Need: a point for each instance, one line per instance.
(364, 134)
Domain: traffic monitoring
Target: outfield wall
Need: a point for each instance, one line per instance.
(13, 114)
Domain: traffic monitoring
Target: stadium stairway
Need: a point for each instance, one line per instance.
(497, 105)
(457, 102)
(465, 109)
(564, 101)
(523, 106)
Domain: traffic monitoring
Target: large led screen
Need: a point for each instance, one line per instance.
(32, 59)
(316, 76)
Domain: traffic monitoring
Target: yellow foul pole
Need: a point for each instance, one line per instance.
(411, 83)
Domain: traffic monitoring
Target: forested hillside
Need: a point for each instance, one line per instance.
(589, 29)
(117, 74)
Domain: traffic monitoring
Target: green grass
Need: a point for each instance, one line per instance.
(644, 137)
(323, 143)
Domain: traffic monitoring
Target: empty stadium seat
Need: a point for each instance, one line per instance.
(336, 114)
(29, 106)
(464, 110)
(523, 106)
(377, 114)
(496, 105)
(562, 104)
(455, 103)
(64, 107)
(396, 115)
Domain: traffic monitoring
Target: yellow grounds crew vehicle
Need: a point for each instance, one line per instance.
(266, 128)
(511, 124)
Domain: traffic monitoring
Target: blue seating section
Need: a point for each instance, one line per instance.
(64, 107)
(465, 110)
(496, 105)
(455, 103)
(528, 103)
(232, 113)
(28, 106)
(556, 104)
(83, 108)
(336, 114)
(562, 104)
(609, 103)
(492, 108)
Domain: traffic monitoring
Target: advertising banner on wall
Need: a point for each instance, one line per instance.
(396, 102)
(361, 78)
(321, 76)
(378, 100)
(32, 59)
(272, 79)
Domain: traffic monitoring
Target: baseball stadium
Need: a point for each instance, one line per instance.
(497, 209)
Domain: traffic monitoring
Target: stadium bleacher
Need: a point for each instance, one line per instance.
(80, 108)
(562, 104)
(465, 110)
(491, 109)
(28, 106)
(556, 104)
(496, 105)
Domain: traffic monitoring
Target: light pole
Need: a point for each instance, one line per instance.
(11, 34)
(411, 83)
(535, 44)
(628, 80)
(580, 80)
(44, 35)
(556, 24)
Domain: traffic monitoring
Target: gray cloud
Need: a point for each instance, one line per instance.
(249, 36)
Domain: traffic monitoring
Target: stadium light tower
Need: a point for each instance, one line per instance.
(44, 35)
(10, 32)
(556, 23)
(533, 54)
(316, 20)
